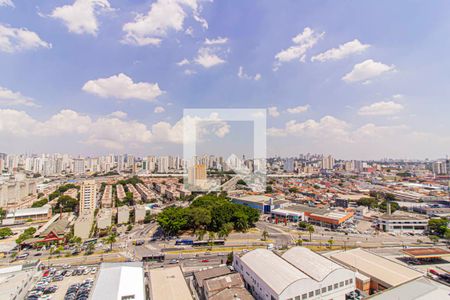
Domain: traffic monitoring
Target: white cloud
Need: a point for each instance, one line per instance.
(159, 109)
(381, 108)
(217, 41)
(81, 16)
(183, 62)
(302, 43)
(273, 111)
(367, 70)
(122, 87)
(10, 98)
(19, 39)
(189, 72)
(298, 110)
(6, 3)
(207, 58)
(111, 131)
(118, 114)
(347, 49)
(163, 16)
(241, 74)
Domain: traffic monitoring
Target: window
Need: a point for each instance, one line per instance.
(297, 298)
(324, 290)
(351, 280)
(317, 292)
(311, 294)
(330, 287)
(346, 282)
(128, 297)
(341, 284)
(336, 285)
(304, 296)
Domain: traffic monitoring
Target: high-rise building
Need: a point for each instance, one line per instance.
(163, 164)
(439, 167)
(78, 166)
(197, 174)
(88, 196)
(327, 162)
(288, 165)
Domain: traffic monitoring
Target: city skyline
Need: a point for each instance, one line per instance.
(355, 87)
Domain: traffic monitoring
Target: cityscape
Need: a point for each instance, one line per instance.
(224, 150)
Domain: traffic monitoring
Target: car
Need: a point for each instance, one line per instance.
(68, 273)
(22, 256)
(86, 271)
(174, 261)
(38, 254)
(94, 270)
(434, 272)
(46, 272)
(205, 260)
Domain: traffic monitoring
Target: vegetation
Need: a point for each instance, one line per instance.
(269, 189)
(67, 203)
(110, 239)
(5, 232)
(2, 213)
(370, 202)
(293, 190)
(210, 212)
(383, 206)
(311, 230)
(264, 235)
(303, 225)
(40, 203)
(133, 180)
(27, 234)
(241, 182)
(438, 227)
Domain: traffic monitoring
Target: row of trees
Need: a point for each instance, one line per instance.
(208, 213)
(27, 234)
(379, 200)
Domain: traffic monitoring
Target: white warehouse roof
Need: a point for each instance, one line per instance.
(311, 263)
(32, 211)
(168, 284)
(272, 269)
(118, 280)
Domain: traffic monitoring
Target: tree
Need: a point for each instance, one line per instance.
(40, 203)
(225, 230)
(67, 203)
(434, 238)
(299, 240)
(438, 226)
(240, 221)
(394, 206)
(5, 232)
(89, 248)
(264, 235)
(198, 217)
(2, 213)
(27, 234)
(201, 234)
(75, 240)
(241, 182)
(172, 220)
(370, 202)
(110, 239)
(311, 230)
(269, 189)
(331, 242)
(302, 225)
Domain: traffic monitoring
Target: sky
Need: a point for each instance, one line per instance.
(355, 79)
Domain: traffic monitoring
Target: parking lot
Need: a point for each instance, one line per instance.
(61, 283)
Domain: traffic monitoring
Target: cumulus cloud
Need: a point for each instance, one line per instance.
(183, 62)
(81, 16)
(113, 131)
(122, 87)
(6, 3)
(344, 50)
(241, 74)
(367, 70)
(10, 98)
(273, 111)
(217, 41)
(118, 114)
(164, 16)
(159, 109)
(381, 108)
(207, 57)
(20, 39)
(298, 109)
(302, 43)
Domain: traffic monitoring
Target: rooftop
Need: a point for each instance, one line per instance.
(384, 270)
(201, 276)
(426, 252)
(29, 211)
(168, 284)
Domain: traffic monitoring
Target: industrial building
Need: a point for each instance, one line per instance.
(17, 216)
(421, 288)
(383, 273)
(400, 222)
(168, 284)
(121, 281)
(298, 274)
(262, 203)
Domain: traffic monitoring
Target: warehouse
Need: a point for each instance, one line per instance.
(383, 273)
(297, 274)
(168, 284)
(120, 281)
(400, 222)
(260, 202)
(43, 213)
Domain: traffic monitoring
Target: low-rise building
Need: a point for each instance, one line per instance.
(107, 197)
(168, 284)
(400, 222)
(121, 281)
(72, 193)
(383, 273)
(120, 192)
(298, 274)
(260, 202)
(230, 286)
(18, 216)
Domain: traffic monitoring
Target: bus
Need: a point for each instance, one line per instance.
(184, 242)
(208, 243)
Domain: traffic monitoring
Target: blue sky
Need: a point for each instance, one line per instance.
(101, 76)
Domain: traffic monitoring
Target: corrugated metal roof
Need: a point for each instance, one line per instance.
(281, 273)
(313, 264)
(29, 211)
